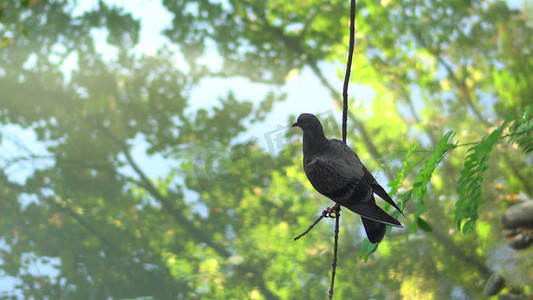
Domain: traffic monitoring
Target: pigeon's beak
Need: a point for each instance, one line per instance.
(296, 124)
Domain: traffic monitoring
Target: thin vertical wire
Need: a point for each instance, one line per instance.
(348, 71)
(344, 133)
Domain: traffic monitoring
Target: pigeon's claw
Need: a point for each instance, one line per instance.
(331, 212)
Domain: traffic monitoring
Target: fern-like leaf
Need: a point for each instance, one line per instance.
(469, 184)
(520, 131)
(408, 164)
(424, 176)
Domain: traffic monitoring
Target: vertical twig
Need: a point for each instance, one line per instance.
(348, 71)
(336, 242)
(336, 209)
(344, 132)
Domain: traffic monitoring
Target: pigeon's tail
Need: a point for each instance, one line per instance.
(373, 212)
(375, 231)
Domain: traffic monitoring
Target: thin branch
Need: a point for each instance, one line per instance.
(499, 138)
(17, 141)
(25, 158)
(335, 245)
(326, 213)
(348, 71)
(310, 227)
(344, 133)
(336, 97)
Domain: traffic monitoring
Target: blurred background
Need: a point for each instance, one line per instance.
(146, 149)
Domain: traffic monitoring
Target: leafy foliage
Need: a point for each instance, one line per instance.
(407, 167)
(520, 130)
(476, 163)
(424, 175)
(469, 184)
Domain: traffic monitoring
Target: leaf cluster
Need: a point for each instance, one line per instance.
(476, 163)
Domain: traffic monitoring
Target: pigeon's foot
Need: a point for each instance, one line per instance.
(331, 212)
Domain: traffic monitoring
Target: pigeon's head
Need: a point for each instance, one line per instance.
(308, 122)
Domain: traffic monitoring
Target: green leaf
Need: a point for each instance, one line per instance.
(423, 225)
(367, 248)
(424, 176)
(468, 226)
(470, 182)
(402, 174)
(520, 131)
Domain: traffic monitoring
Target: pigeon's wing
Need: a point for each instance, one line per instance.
(328, 176)
(379, 190)
(370, 210)
(353, 160)
(334, 179)
(348, 156)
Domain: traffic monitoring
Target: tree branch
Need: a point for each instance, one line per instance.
(335, 247)
(167, 203)
(194, 231)
(348, 71)
(460, 83)
(105, 241)
(310, 227)
(452, 248)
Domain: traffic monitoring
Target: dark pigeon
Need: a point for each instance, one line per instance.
(336, 172)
